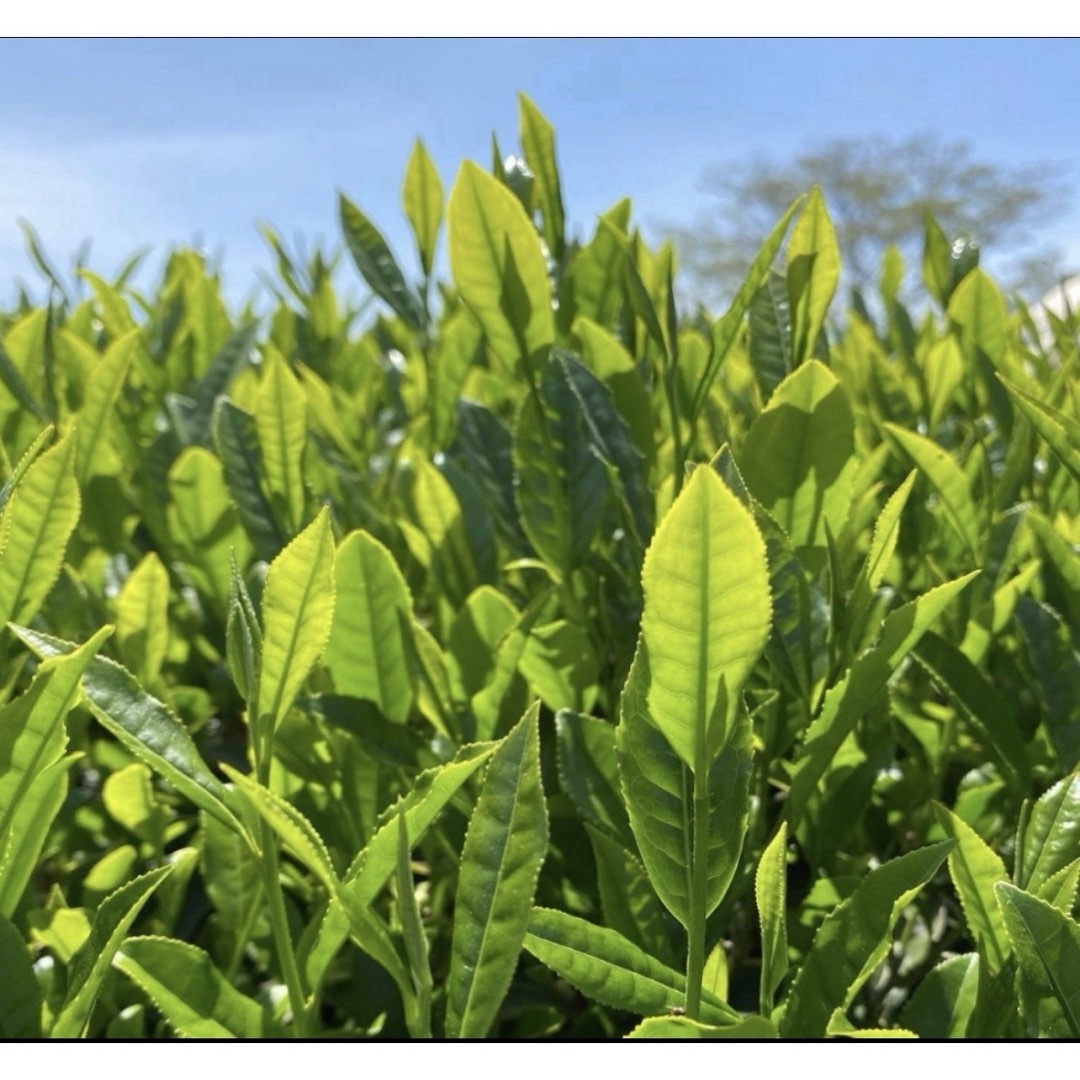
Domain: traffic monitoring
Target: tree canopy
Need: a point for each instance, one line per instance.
(877, 191)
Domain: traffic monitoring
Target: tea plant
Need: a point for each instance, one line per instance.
(531, 659)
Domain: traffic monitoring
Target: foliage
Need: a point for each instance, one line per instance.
(529, 661)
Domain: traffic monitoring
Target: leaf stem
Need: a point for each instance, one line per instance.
(695, 961)
(279, 926)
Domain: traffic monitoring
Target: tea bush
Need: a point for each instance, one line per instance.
(530, 658)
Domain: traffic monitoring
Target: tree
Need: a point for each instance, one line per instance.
(876, 191)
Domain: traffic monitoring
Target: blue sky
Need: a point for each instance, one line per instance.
(157, 142)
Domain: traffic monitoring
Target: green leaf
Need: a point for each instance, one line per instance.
(813, 272)
(281, 421)
(638, 293)
(1051, 648)
(233, 880)
(230, 360)
(31, 827)
(770, 891)
(243, 636)
(294, 830)
(611, 440)
(1051, 840)
(189, 991)
(851, 697)
(853, 939)
(882, 546)
(949, 481)
(91, 963)
(367, 654)
(975, 868)
(504, 849)
(561, 484)
(675, 815)
(428, 795)
(707, 615)
(37, 523)
(937, 266)
(297, 609)
(726, 329)
(115, 313)
(1047, 946)
(588, 771)
(33, 735)
(102, 390)
(498, 266)
(944, 1000)
(682, 1027)
(769, 334)
(423, 200)
(128, 796)
(377, 265)
(608, 968)
(968, 688)
(237, 442)
(28, 458)
(1061, 432)
(203, 523)
(977, 310)
(799, 456)
(596, 272)
(20, 995)
(142, 619)
(143, 724)
(1060, 889)
(455, 353)
(416, 944)
(12, 378)
(628, 900)
(538, 144)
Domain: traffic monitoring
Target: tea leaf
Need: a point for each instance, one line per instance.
(975, 868)
(102, 390)
(504, 848)
(1051, 840)
(367, 655)
(91, 963)
(37, 524)
(142, 619)
(853, 939)
(20, 995)
(499, 267)
(706, 619)
(538, 143)
(950, 482)
(770, 890)
(297, 609)
(377, 264)
(282, 427)
(849, 699)
(423, 200)
(798, 459)
(608, 968)
(237, 441)
(682, 1027)
(193, 996)
(813, 272)
(942, 1004)
(1047, 946)
(32, 732)
(143, 724)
